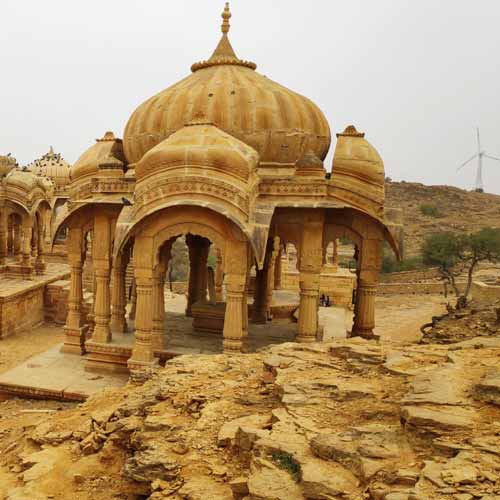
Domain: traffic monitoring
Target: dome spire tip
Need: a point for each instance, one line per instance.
(226, 15)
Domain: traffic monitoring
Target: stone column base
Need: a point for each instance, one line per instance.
(305, 339)
(40, 267)
(366, 334)
(141, 371)
(106, 358)
(74, 341)
(234, 346)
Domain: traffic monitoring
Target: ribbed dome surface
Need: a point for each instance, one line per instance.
(53, 166)
(355, 157)
(278, 123)
(27, 181)
(200, 145)
(105, 150)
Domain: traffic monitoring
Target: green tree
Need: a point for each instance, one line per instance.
(455, 254)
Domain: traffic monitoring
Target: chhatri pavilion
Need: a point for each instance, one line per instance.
(231, 161)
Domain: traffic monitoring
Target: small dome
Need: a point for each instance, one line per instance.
(107, 151)
(356, 157)
(200, 144)
(27, 180)
(7, 163)
(358, 168)
(278, 123)
(53, 166)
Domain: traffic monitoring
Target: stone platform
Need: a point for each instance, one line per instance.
(52, 375)
(62, 376)
(22, 300)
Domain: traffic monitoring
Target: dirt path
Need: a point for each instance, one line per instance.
(399, 317)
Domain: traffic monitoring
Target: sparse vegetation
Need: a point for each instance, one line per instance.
(455, 254)
(347, 263)
(429, 210)
(391, 265)
(286, 462)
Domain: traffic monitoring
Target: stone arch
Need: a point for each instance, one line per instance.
(181, 220)
(130, 223)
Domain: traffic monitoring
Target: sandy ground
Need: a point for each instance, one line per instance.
(399, 317)
(18, 348)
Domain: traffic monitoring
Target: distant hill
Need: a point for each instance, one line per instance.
(428, 209)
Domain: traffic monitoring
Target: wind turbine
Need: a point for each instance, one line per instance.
(479, 155)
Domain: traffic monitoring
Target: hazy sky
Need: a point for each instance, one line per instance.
(416, 75)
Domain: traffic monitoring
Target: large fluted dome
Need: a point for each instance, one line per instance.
(278, 123)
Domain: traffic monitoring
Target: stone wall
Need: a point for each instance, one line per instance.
(409, 276)
(423, 288)
(488, 292)
(56, 301)
(21, 311)
(337, 285)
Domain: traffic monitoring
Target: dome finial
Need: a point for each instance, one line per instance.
(226, 15)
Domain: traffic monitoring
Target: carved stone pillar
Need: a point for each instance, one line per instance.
(308, 308)
(3, 235)
(133, 300)
(158, 320)
(364, 320)
(278, 269)
(234, 322)
(271, 276)
(102, 314)
(17, 244)
(369, 264)
(39, 259)
(75, 328)
(236, 316)
(143, 351)
(91, 313)
(158, 334)
(118, 299)
(27, 232)
(219, 276)
(101, 259)
(311, 258)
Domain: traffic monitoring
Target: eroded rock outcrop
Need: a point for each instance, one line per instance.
(346, 420)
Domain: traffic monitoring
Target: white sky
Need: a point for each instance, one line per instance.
(416, 75)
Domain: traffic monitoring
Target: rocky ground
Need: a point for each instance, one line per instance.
(345, 420)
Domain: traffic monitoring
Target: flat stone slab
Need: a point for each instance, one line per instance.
(54, 375)
(10, 287)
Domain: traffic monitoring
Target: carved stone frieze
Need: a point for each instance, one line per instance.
(151, 191)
